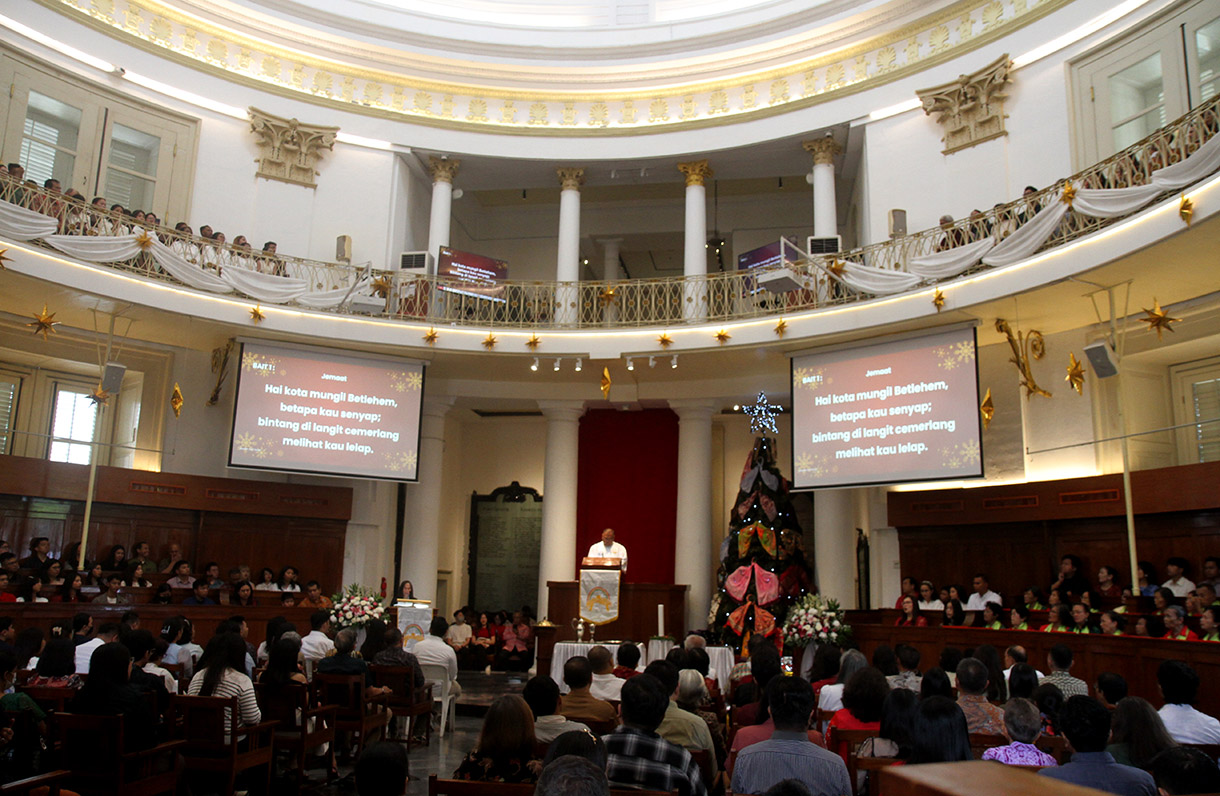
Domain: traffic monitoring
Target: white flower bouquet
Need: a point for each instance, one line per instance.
(355, 607)
(814, 619)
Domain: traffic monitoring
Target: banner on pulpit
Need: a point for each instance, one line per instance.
(414, 619)
(599, 595)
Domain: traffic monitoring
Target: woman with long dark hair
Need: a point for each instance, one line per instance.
(283, 663)
(941, 735)
(57, 665)
(135, 577)
(1137, 733)
(288, 579)
(989, 656)
(116, 559)
(374, 639)
(955, 616)
(243, 594)
(222, 672)
(910, 613)
(28, 646)
(1022, 681)
(935, 683)
(266, 580)
(505, 752)
(108, 692)
(863, 698)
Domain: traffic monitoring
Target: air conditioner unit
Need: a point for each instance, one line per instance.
(831, 244)
(414, 261)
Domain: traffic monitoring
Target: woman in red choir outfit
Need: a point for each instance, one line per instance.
(910, 613)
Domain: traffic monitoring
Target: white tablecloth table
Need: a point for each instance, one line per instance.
(722, 660)
(567, 649)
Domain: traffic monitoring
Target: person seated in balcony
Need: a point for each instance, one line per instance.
(31, 591)
(314, 598)
(1162, 598)
(182, 578)
(1033, 599)
(199, 594)
(288, 579)
(953, 236)
(1018, 618)
(111, 596)
(182, 245)
(1082, 620)
(215, 253)
(242, 255)
(1177, 568)
(1209, 623)
(1005, 224)
(1107, 583)
(1175, 625)
(135, 577)
(1145, 574)
(120, 220)
(269, 262)
(1059, 620)
(242, 594)
(211, 575)
(982, 594)
(910, 613)
(992, 612)
(75, 220)
(1071, 581)
(1111, 623)
(928, 600)
(505, 750)
(40, 549)
(954, 616)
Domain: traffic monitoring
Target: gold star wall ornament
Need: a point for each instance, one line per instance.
(4, 258)
(781, 327)
(606, 384)
(99, 396)
(144, 240)
(44, 323)
(1075, 374)
(987, 409)
(176, 400)
(938, 300)
(1069, 194)
(381, 286)
(722, 337)
(533, 343)
(430, 336)
(1158, 319)
(664, 340)
(836, 267)
(1186, 210)
(607, 296)
(257, 315)
(489, 342)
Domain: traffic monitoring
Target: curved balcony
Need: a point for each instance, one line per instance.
(892, 268)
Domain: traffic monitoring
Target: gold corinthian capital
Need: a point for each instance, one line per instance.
(822, 149)
(443, 169)
(696, 171)
(571, 179)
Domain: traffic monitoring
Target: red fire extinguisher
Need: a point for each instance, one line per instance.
(383, 588)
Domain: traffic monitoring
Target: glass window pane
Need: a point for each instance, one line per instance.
(1205, 395)
(1207, 47)
(134, 150)
(1140, 127)
(8, 409)
(72, 421)
(135, 193)
(51, 133)
(1136, 89)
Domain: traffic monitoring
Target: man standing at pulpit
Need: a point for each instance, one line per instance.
(608, 548)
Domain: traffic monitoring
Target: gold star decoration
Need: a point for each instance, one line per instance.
(1158, 319)
(836, 267)
(1075, 374)
(43, 323)
(938, 300)
(176, 401)
(257, 315)
(430, 337)
(1069, 193)
(665, 341)
(489, 342)
(144, 240)
(4, 258)
(1186, 210)
(607, 296)
(381, 286)
(781, 327)
(533, 343)
(606, 384)
(722, 337)
(987, 409)
(99, 396)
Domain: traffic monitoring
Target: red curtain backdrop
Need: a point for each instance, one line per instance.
(628, 481)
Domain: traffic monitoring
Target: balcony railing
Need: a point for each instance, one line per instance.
(714, 298)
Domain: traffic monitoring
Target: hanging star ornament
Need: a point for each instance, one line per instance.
(43, 323)
(781, 327)
(257, 315)
(1069, 193)
(176, 400)
(381, 286)
(987, 409)
(1075, 374)
(1158, 319)
(430, 337)
(836, 267)
(4, 258)
(533, 342)
(1186, 210)
(606, 384)
(762, 415)
(489, 342)
(938, 300)
(99, 396)
(665, 341)
(607, 296)
(722, 337)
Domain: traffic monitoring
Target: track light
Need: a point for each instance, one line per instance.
(557, 364)
(652, 362)
(579, 365)
(630, 364)
(534, 366)
(673, 363)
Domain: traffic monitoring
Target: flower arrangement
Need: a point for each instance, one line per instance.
(814, 619)
(355, 606)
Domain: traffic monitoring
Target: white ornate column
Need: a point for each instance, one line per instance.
(692, 562)
(611, 272)
(421, 536)
(694, 262)
(825, 210)
(568, 264)
(834, 544)
(443, 172)
(558, 555)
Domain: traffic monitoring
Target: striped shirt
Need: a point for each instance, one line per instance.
(638, 759)
(790, 755)
(232, 684)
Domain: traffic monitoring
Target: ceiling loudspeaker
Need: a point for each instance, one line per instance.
(898, 223)
(1101, 358)
(112, 377)
(343, 248)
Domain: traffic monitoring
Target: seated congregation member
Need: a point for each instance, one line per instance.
(1086, 724)
(1022, 681)
(989, 656)
(928, 600)
(222, 673)
(940, 732)
(789, 754)
(106, 634)
(679, 726)
(344, 662)
(831, 696)
(154, 666)
(1110, 688)
(573, 775)
(1183, 770)
(991, 616)
(189, 652)
(516, 646)
(40, 549)
(748, 736)
(199, 594)
(1023, 724)
(981, 715)
(182, 578)
(1179, 685)
(605, 684)
(1175, 625)
(910, 613)
(764, 665)
(111, 596)
(910, 588)
(283, 663)
(57, 665)
(459, 633)
(1059, 620)
(382, 770)
(135, 576)
(1071, 581)
(697, 659)
(140, 644)
(394, 655)
(1111, 623)
(288, 580)
(982, 594)
(1082, 622)
(266, 580)
(1137, 734)
(692, 695)
(954, 615)
(1059, 659)
(483, 640)
(1209, 624)
(108, 692)
(242, 594)
(13, 701)
(1176, 568)
(863, 697)
(1107, 583)
(374, 639)
(314, 598)
(317, 644)
(899, 713)
(908, 668)
(431, 650)
(1162, 598)
(1014, 655)
(505, 752)
(542, 695)
(636, 756)
(579, 703)
(116, 559)
(936, 682)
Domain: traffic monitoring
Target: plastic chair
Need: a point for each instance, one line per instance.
(438, 677)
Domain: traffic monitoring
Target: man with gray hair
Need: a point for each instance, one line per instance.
(1024, 725)
(694, 640)
(981, 715)
(572, 775)
(343, 662)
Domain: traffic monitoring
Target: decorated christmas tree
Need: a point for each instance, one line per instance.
(762, 561)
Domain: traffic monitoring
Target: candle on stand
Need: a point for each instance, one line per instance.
(660, 619)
